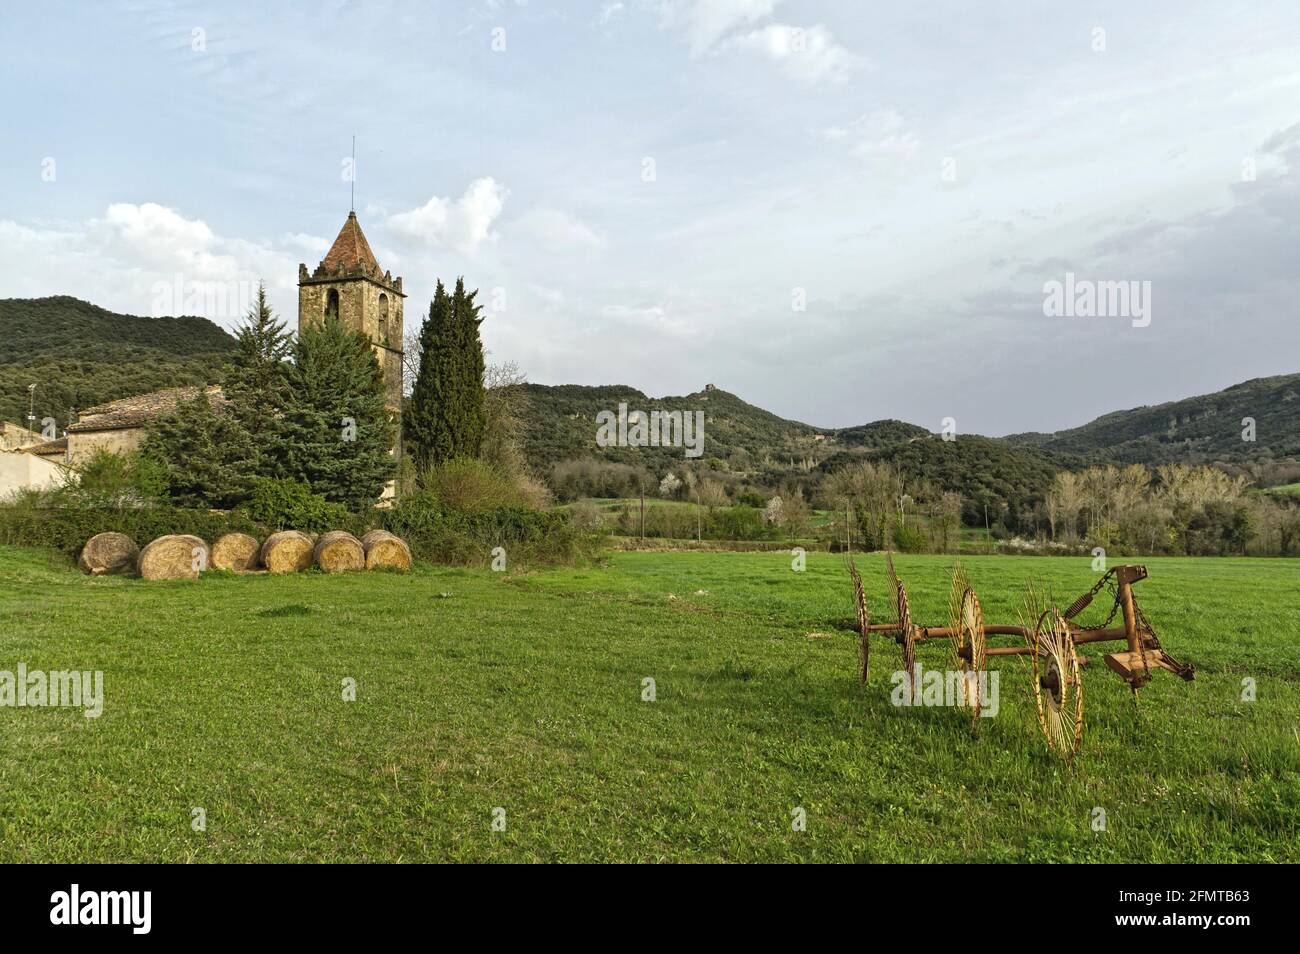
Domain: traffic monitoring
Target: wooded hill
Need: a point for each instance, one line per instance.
(78, 355)
(994, 479)
(1206, 429)
(561, 425)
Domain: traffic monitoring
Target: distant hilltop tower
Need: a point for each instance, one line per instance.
(349, 283)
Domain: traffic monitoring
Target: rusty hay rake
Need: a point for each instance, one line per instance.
(1049, 637)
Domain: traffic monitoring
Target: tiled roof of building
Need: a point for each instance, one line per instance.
(140, 409)
(350, 257)
(351, 250)
(49, 448)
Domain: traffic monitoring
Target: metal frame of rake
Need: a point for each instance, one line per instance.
(1049, 637)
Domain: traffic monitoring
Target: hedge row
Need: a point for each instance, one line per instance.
(434, 535)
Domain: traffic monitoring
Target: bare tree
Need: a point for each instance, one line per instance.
(948, 517)
(411, 355)
(1063, 503)
(798, 515)
(505, 412)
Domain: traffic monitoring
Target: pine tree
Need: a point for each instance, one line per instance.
(420, 421)
(257, 386)
(336, 432)
(447, 402)
(206, 456)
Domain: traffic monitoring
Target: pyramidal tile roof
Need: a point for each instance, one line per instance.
(351, 251)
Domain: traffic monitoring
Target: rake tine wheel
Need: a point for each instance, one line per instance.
(1058, 690)
(966, 622)
(972, 658)
(906, 635)
(864, 620)
(960, 584)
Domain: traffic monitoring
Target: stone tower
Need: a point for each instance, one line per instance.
(349, 283)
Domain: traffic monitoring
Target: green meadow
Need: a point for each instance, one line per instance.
(520, 698)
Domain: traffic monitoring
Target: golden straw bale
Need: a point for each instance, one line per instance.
(339, 552)
(288, 551)
(384, 549)
(238, 552)
(109, 553)
(176, 556)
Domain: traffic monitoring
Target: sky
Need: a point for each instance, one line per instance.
(839, 211)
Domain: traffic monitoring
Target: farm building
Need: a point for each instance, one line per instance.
(20, 466)
(15, 437)
(55, 451)
(23, 470)
(119, 426)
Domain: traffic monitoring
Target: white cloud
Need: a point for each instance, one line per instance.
(608, 11)
(879, 134)
(312, 246)
(152, 234)
(550, 298)
(552, 228)
(655, 320)
(463, 224)
(121, 260)
(808, 54)
(705, 22)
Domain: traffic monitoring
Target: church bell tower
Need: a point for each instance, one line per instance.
(349, 283)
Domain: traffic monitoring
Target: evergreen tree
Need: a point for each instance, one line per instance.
(206, 456)
(336, 433)
(420, 420)
(256, 384)
(471, 419)
(447, 403)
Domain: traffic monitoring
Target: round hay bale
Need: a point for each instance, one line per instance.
(236, 551)
(177, 556)
(108, 553)
(288, 551)
(339, 552)
(384, 549)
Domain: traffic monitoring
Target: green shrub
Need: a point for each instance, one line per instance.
(114, 480)
(738, 523)
(471, 486)
(440, 535)
(413, 514)
(68, 528)
(587, 517)
(909, 539)
(289, 505)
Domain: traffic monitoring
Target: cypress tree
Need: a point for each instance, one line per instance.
(336, 432)
(420, 422)
(447, 402)
(471, 419)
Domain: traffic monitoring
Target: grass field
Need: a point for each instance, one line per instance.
(477, 690)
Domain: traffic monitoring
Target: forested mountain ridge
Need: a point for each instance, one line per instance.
(1206, 429)
(561, 425)
(78, 354)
